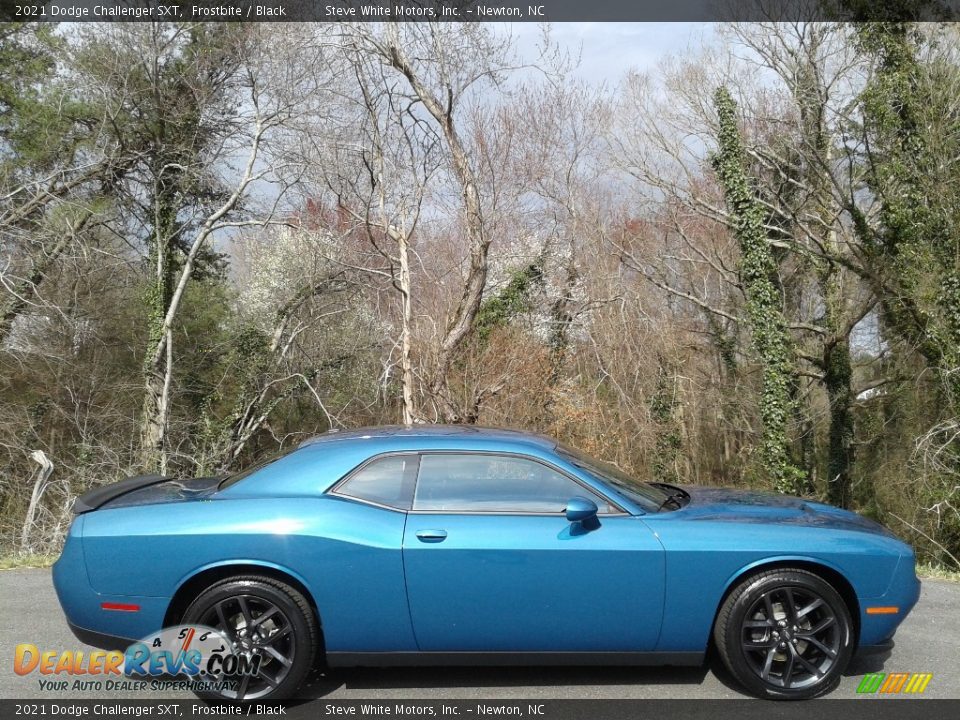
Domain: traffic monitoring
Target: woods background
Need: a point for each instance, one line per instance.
(742, 268)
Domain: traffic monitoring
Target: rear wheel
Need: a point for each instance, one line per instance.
(785, 634)
(261, 618)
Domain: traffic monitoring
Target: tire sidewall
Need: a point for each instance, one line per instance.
(744, 599)
(283, 597)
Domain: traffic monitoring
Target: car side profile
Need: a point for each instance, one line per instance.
(435, 545)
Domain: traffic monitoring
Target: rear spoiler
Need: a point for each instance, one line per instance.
(93, 499)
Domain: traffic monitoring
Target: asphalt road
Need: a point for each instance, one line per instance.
(928, 641)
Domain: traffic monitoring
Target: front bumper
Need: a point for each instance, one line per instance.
(878, 629)
(883, 648)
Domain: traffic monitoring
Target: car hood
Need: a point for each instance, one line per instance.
(728, 505)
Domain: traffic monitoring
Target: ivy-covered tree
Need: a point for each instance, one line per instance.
(912, 141)
(771, 339)
(172, 92)
(664, 406)
(911, 246)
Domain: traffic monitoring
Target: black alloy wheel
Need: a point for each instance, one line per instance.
(785, 634)
(260, 618)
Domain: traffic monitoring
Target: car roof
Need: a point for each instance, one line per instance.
(320, 462)
(447, 432)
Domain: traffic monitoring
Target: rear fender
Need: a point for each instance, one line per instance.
(202, 577)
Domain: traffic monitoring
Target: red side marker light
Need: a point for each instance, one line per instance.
(119, 607)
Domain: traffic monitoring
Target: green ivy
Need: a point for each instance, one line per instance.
(911, 129)
(669, 441)
(771, 340)
(513, 300)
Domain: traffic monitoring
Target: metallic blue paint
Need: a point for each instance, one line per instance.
(526, 583)
(384, 580)
(580, 509)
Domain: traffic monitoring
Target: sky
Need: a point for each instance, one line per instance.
(608, 50)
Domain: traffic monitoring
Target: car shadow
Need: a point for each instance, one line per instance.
(863, 664)
(715, 665)
(322, 683)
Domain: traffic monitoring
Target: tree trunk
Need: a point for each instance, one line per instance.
(167, 296)
(39, 488)
(476, 280)
(156, 412)
(158, 367)
(406, 364)
(836, 379)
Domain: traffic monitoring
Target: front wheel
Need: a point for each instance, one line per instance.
(261, 618)
(785, 634)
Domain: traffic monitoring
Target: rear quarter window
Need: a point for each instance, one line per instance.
(383, 481)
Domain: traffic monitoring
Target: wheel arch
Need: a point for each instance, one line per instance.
(202, 578)
(827, 572)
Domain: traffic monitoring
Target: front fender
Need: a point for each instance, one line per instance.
(778, 560)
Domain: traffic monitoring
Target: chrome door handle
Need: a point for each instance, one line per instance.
(431, 536)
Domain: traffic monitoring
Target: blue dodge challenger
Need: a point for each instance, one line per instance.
(438, 545)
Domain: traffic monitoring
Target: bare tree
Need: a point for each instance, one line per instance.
(378, 170)
(430, 59)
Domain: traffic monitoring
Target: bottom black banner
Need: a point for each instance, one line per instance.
(874, 708)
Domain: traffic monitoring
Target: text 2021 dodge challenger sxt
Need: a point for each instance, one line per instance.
(447, 545)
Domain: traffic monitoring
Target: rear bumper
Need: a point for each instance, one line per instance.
(85, 608)
(100, 640)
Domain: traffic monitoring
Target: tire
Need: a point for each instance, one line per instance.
(265, 617)
(785, 634)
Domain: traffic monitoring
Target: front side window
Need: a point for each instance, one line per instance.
(649, 497)
(495, 483)
(384, 481)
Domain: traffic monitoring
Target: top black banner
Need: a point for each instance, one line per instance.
(476, 10)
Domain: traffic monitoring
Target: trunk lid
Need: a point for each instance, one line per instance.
(145, 490)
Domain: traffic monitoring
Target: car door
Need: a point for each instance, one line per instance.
(492, 564)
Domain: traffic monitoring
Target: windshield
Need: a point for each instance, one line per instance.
(647, 496)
